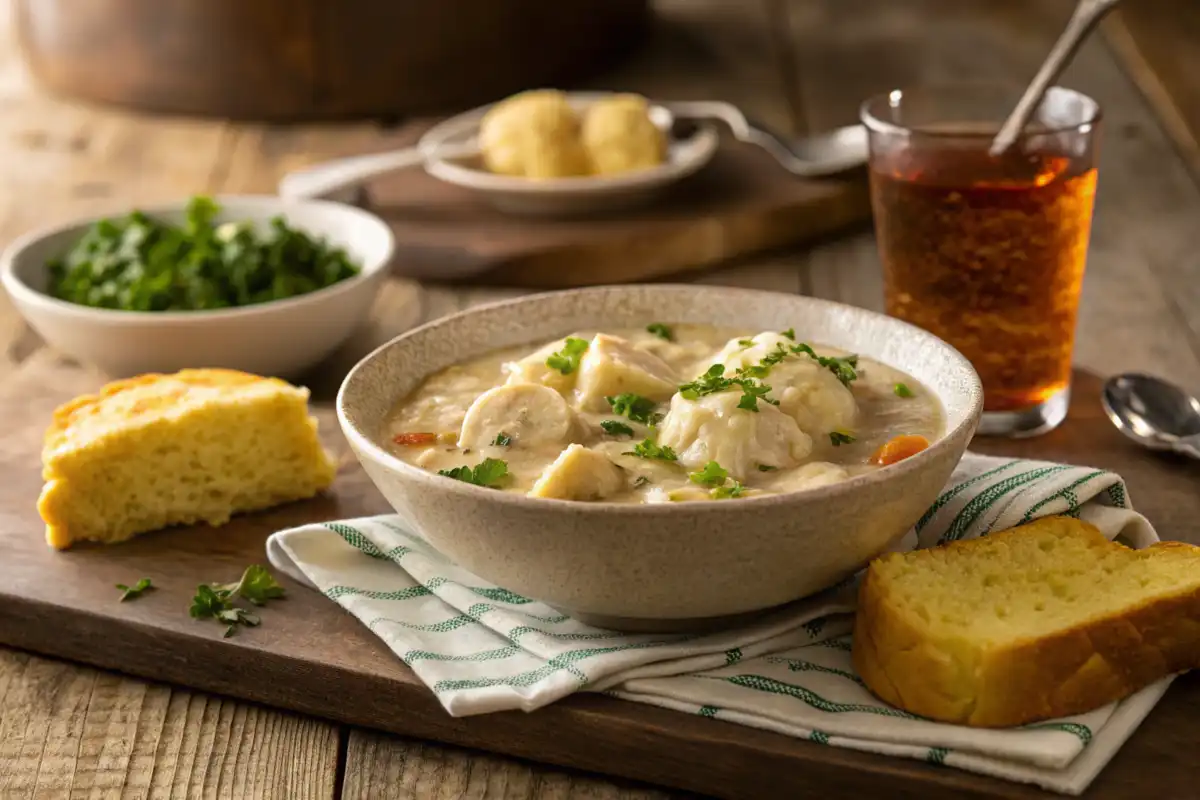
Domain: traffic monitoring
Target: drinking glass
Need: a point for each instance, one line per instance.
(988, 252)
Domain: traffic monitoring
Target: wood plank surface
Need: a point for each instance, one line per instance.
(70, 731)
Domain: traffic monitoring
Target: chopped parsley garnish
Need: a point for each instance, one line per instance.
(714, 381)
(734, 489)
(135, 591)
(839, 438)
(713, 474)
(641, 481)
(843, 367)
(790, 333)
(567, 360)
(138, 263)
(660, 330)
(648, 449)
(614, 428)
(635, 407)
(490, 473)
(746, 342)
(766, 468)
(502, 440)
(902, 390)
(215, 601)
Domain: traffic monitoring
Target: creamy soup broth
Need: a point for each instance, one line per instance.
(610, 422)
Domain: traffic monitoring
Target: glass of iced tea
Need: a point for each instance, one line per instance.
(988, 252)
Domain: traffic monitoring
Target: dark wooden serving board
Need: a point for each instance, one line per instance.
(741, 203)
(311, 657)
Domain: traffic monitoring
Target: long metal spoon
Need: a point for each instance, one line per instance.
(825, 154)
(1154, 413)
(1087, 13)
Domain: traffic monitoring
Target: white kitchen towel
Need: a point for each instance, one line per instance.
(481, 648)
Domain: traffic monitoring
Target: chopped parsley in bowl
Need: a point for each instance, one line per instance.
(139, 263)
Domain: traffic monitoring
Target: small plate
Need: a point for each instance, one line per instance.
(560, 197)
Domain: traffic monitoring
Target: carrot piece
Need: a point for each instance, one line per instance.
(899, 448)
(413, 439)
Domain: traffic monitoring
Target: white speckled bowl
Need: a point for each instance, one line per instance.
(670, 566)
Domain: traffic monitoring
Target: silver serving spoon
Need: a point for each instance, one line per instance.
(817, 156)
(1153, 412)
(1087, 13)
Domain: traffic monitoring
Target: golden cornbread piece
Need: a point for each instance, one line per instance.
(619, 135)
(158, 450)
(533, 134)
(1045, 620)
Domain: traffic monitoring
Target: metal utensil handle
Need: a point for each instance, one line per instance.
(1083, 19)
(330, 176)
(742, 129)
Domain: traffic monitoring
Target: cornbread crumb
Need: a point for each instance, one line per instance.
(1045, 620)
(158, 450)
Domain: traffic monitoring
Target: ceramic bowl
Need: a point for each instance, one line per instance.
(559, 197)
(280, 338)
(670, 566)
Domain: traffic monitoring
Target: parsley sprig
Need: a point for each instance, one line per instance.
(714, 381)
(614, 428)
(902, 390)
(839, 438)
(635, 407)
(717, 477)
(661, 331)
(489, 473)
(502, 440)
(135, 591)
(567, 359)
(215, 601)
(648, 449)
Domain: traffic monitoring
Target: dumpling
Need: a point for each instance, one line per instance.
(534, 134)
(809, 476)
(806, 391)
(530, 414)
(619, 135)
(579, 474)
(713, 428)
(643, 471)
(613, 366)
(533, 369)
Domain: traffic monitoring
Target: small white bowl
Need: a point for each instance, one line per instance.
(562, 197)
(279, 338)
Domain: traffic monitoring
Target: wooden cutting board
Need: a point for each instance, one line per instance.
(311, 657)
(743, 202)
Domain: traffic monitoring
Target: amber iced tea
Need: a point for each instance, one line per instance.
(990, 258)
(988, 252)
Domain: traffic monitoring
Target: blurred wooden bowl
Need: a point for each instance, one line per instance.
(311, 59)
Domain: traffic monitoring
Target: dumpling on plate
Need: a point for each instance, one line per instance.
(533, 134)
(713, 428)
(619, 135)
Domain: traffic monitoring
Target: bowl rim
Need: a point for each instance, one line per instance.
(706, 141)
(23, 293)
(365, 447)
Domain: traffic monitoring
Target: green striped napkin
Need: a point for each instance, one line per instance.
(481, 648)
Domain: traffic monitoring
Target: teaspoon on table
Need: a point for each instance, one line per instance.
(1154, 413)
(820, 155)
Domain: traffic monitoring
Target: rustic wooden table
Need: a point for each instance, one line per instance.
(67, 730)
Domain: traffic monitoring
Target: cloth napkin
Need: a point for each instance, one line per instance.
(481, 648)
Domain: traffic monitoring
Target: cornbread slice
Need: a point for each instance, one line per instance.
(1044, 620)
(159, 450)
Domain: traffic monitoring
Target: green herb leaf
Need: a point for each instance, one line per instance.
(614, 428)
(902, 390)
(746, 342)
(635, 407)
(790, 333)
(208, 603)
(660, 330)
(711, 475)
(844, 367)
(767, 468)
(713, 381)
(502, 439)
(141, 264)
(256, 585)
(734, 489)
(641, 481)
(490, 473)
(567, 360)
(648, 449)
(839, 438)
(135, 591)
